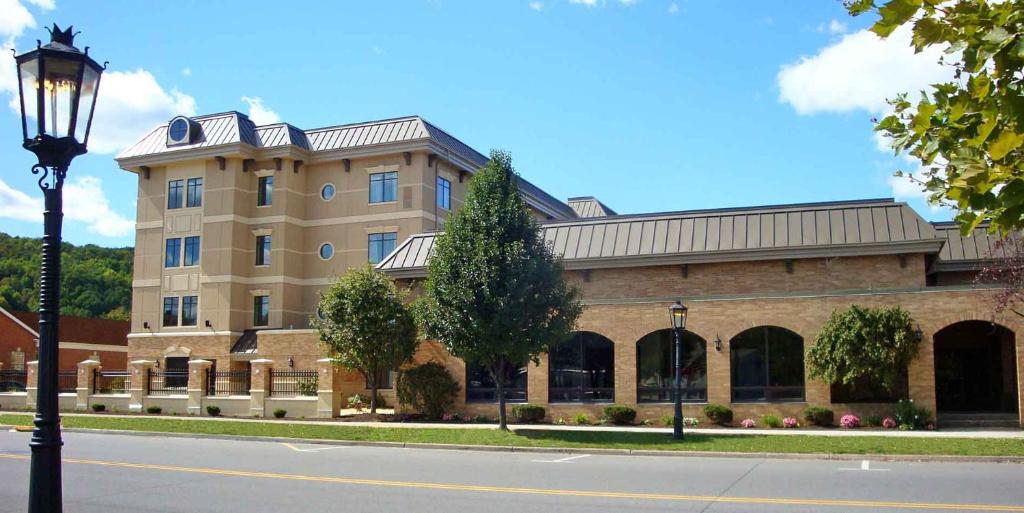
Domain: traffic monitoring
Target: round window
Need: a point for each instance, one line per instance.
(178, 130)
(326, 251)
(327, 192)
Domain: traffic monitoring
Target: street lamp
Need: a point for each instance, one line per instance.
(678, 314)
(57, 85)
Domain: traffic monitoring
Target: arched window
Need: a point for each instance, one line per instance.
(481, 387)
(655, 371)
(582, 369)
(767, 365)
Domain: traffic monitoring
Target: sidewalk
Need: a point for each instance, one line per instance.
(947, 433)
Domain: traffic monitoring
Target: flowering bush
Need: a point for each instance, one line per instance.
(889, 423)
(790, 422)
(690, 421)
(450, 417)
(849, 421)
(748, 423)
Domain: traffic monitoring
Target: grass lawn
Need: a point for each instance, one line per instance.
(575, 439)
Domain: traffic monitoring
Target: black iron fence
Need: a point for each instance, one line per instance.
(227, 382)
(111, 382)
(67, 382)
(171, 382)
(293, 383)
(13, 380)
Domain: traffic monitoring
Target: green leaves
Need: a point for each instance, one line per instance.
(894, 14)
(1004, 144)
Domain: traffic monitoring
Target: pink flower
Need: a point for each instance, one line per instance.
(748, 423)
(849, 421)
(790, 422)
(888, 423)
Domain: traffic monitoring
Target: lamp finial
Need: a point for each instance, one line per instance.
(65, 37)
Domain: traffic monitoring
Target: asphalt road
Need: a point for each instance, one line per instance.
(110, 473)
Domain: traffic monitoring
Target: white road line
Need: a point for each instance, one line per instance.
(866, 465)
(567, 459)
(318, 449)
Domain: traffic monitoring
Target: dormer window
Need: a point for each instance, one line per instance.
(182, 130)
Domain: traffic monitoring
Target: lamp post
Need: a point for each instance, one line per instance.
(57, 85)
(678, 314)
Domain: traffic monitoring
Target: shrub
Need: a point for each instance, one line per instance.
(667, 420)
(482, 419)
(582, 419)
(719, 414)
(849, 421)
(450, 417)
(620, 414)
(99, 407)
(691, 421)
(525, 413)
(428, 389)
(154, 409)
(790, 422)
(889, 423)
(646, 422)
(873, 420)
(818, 416)
(280, 413)
(213, 411)
(357, 401)
(309, 386)
(909, 417)
(560, 421)
(771, 420)
(748, 423)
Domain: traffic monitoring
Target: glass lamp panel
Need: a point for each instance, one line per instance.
(60, 79)
(28, 74)
(90, 84)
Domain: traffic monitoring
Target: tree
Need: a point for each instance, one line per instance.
(875, 344)
(968, 133)
(495, 293)
(366, 325)
(1005, 270)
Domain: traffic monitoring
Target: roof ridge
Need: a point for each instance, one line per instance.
(373, 122)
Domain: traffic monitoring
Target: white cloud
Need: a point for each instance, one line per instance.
(537, 6)
(259, 113)
(131, 103)
(588, 3)
(84, 201)
(673, 8)
(14, 21)
(837, 27)
(46, 5)
(186, 72)
(859, 72)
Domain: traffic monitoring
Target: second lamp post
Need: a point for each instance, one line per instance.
(678, 313)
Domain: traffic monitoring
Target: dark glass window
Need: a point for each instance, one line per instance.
(189, 312)
(170, 311)
(176, 371)
(265, 191)
(867, 391)
(444, 193)
(381, 245)
(383, 187)
(194, 193)
(767, 365)
(582, 369)
(191, 251)
(385, 381)
(482, 388)
(174, 194)
(172, 253)
(263, 250)
(261, 310)
(655, 369)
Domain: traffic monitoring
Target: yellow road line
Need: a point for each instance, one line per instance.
(546, 491)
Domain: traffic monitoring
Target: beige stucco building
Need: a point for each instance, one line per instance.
(239, 227)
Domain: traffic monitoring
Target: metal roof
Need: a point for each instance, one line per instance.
(772, 232)
(215, 130)
(966, 252)
(589, 206)
(247, 343)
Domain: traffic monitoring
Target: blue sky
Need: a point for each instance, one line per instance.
(649, 105)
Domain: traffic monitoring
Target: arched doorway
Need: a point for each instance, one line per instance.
(975, 368)
(655, 370)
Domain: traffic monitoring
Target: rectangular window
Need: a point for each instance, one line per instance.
(261, 310)
(194, 196)
(172, 255)
(263, 250)
(381, 245)
(383, 187)
(444, 193)
(191, 251)
(189, 311)
(482, 388)
(265, 193)
(385, 381)
(174, 194)
(170, 311)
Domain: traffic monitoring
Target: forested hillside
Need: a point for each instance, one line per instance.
(95, 282)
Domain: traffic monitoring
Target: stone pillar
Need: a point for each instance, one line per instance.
(260, 386)
(625, 371)
(140, 383)
(537, 381)
(31, 383)
(197, 377)
(86, 383)
(326, 404)
(719, 377)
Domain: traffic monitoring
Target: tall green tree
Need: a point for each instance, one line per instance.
(366, 325)
(495, 294)
(967, 133)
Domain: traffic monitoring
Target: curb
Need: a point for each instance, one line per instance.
(568, 450)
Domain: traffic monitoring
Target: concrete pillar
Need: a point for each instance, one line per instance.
(259, 388)
(139, 370)
(537, 381)
(197, 377)
(86, 383)
(31, 383)
(328, 403)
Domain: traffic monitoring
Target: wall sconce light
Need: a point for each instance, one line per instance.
(145, 325)
(718, 342)
(208, 323)
(157, 363)
(918, 332)
(291, 362)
